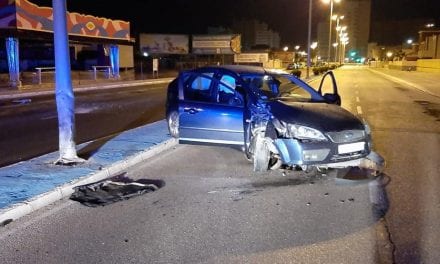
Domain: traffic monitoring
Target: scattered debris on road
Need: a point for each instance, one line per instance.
(112, 190)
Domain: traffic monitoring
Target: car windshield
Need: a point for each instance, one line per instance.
(281, 87)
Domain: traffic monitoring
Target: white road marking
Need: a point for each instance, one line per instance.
(404, 82)
(359, 109)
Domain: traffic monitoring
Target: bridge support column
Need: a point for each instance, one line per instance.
(114, 60)
(13, 62)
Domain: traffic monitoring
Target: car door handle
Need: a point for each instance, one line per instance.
(190, 110)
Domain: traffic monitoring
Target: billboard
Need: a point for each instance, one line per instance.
(284, 56)
(251, 58)
(216, 44)
(164, 43)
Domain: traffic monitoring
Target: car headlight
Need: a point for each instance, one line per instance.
(302, 132)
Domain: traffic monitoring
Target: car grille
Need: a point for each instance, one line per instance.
(347, 156)
(346, 136)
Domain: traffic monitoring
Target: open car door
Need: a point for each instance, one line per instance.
(329, 89)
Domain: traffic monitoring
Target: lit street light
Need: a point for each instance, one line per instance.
(313, 47)
(338, 29)
(335, 45)
(389, 54)
(343, 40)
(330, 26)
(309, 35)
(296, 53)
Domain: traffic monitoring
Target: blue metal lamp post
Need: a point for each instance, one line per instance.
(63, 87)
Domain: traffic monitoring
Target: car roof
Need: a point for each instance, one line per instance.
(239, 69)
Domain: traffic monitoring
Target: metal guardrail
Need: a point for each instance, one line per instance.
(106, 69)
(43, 69)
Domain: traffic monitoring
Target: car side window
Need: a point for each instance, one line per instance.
(199, 88)
(293, 91)
(226, 93)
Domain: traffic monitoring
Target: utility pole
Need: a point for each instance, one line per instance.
(63, 87)
(309, 36)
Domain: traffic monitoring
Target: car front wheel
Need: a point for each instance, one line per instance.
(261, 155)
(248, 143)
(173, 124)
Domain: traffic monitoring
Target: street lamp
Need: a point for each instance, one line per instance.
(330, 25)
(144, 55)
(286, 48)
(343, 36)
(344, 42)
(335, 45)
(309, 35)
(296, 53)
(313, 47)
(389, 54)
(338, 28)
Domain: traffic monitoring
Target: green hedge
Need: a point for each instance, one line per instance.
(296, 72)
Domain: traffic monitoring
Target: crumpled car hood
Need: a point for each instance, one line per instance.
(321, 116)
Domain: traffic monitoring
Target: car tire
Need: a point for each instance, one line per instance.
(261, 155)
(173, 124)
(248, 144)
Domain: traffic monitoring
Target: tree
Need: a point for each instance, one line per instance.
(63, 87)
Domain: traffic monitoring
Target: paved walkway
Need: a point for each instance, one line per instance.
(29, 185)
(424, 81)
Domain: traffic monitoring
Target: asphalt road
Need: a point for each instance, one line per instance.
(29, 126)
(405, 123)
(212, 209)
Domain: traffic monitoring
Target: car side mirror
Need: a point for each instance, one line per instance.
(332, 83)
(332, 98)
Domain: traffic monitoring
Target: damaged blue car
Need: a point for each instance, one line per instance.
(278, 120)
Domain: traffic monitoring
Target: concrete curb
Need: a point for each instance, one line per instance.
(24, 93)
(21, 209)
(401, 81)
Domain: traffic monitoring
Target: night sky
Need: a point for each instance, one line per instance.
(288, 17)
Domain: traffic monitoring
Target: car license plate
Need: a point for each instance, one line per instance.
(352, 147)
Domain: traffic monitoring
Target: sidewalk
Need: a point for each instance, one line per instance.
(29, 185)
(423, 81)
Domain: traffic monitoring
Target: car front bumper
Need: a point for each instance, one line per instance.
(293, 152)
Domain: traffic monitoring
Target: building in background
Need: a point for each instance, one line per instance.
(256, 34)
(357, 19)
(94, 42)
(429, 44)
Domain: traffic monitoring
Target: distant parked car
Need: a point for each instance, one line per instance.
(293, 66)
(278, 119)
